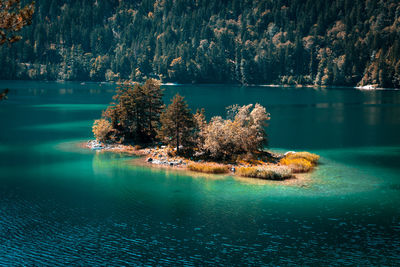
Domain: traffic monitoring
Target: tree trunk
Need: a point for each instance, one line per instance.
(177, 139)
(150, 118)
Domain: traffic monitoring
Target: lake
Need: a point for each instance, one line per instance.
(60, 204)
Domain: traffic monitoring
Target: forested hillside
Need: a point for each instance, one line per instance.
(338, 42)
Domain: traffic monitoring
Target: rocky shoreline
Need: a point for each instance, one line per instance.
(156, 156)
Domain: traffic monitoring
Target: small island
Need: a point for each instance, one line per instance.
(139, 123)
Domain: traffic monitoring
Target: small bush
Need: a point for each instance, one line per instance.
(208, 167)
(297, 164)
(265, 172)
(101, 130)
(313, 158)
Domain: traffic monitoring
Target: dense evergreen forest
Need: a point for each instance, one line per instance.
(338, 42)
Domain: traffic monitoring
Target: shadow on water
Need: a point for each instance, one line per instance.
(385, 157)
(384, 161)
(394, 187)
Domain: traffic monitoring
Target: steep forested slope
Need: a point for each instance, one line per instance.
(338, 42)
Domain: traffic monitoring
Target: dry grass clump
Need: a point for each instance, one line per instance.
(300, 161)
(297, 164)
(265, 172)
(313, 158)
(208, 167)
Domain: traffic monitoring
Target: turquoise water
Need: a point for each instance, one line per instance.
(60, 204)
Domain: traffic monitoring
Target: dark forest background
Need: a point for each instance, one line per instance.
(338, 42)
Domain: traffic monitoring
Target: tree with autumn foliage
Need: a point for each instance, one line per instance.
(101, 130)
(13, 18)
(242, 132)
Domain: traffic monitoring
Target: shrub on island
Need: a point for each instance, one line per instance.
(300, 161)
(266, 172)
(313, 158)
(208, 167)
(102, 129)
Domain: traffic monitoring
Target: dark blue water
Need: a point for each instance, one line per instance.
(62, 205)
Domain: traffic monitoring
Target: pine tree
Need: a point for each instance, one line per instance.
(154, 105)
(135, 115)
(200, 124)
(124, 113)
(177, 123)
(138, 99)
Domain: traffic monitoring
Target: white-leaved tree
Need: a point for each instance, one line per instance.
(241, 133)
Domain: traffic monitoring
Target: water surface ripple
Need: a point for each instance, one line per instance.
(62, 205)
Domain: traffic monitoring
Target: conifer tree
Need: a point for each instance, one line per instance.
(200, 125)
(177, 123)
(153, 106)
(123, 113)
(135, 115)
(257, 42)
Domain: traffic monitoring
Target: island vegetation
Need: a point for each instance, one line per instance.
(139, 122)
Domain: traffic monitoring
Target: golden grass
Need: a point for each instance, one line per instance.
(265, 172)
(297, 164)
(300, 161)
(208, 167)
(313, 158)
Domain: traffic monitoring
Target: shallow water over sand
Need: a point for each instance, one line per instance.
(62, 204)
